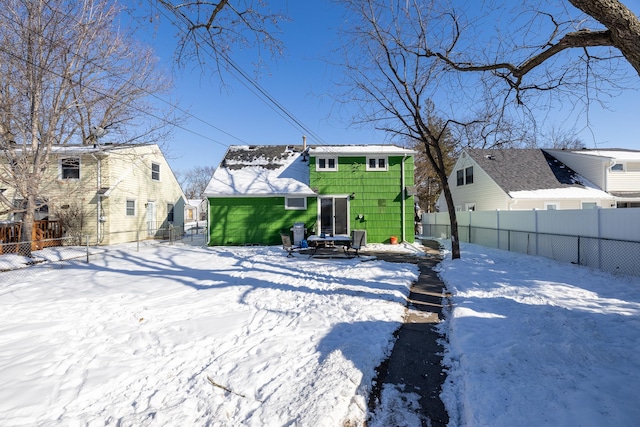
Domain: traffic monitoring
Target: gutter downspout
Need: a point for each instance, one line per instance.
(606, 175)
(402, 198)
(99, 202)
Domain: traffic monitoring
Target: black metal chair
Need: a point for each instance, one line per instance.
(357, 241)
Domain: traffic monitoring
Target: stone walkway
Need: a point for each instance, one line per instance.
(416, 360)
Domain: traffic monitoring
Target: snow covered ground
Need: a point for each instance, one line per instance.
(186, 335)
(536, 342)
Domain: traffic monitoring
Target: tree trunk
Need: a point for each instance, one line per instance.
(623, 25)
(453, 220)
(27, 227)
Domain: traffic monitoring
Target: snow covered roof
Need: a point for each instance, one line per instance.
(534, 174)
(575, 193)
(612, 153)
(94, 148)
(261, 171)
(360, 150)
(265, 170)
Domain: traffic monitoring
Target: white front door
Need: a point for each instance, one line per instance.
(151, 219)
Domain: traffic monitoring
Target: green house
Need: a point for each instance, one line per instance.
(259, 191)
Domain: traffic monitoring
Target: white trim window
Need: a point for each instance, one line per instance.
(131, 207)
(295, 203)
(551, 206)
(589, 205)
(377, 163)
(69, 168)
(469, 206)
(326, 164)
(155, 171)
(618, 167)
(464, 176)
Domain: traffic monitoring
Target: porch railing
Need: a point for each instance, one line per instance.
(45, 234)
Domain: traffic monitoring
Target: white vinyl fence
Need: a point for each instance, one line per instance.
(607, 239)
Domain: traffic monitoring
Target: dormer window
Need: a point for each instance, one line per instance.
(377, 164)
(326, 164)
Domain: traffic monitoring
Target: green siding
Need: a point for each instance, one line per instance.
(241, 221)
(377, 195)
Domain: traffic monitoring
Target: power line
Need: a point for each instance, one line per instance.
(111, 74)
(262, 94)
(244, 78)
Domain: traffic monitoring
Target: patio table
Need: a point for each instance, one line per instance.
(328, 241)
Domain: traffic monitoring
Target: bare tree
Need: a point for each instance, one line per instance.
(195, 180)
(215, 27)
(395, 84)
(535, 46)
(69, 76)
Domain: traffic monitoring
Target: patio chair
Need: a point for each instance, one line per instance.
(288, 246)
(357, 241)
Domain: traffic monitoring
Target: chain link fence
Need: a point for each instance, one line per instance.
(18, 258)
(612, 255)
(21, 255)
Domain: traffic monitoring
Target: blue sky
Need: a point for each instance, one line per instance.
(302, 81)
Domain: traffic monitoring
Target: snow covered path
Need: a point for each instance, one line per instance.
(191, 336)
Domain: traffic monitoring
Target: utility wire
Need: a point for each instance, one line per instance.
(153, 95)
(244, 78)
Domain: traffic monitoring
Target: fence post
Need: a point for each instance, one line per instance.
(535, 220)
(138, 240)
(598, 209)
(87, 245)
(498, 227)
(579, 263)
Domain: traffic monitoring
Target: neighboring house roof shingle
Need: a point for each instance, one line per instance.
(523, 169)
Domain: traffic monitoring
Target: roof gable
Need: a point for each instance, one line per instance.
(525, 169)
(259, 171)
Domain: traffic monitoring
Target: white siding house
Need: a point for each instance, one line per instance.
(118, 192)
(615, 171)
(519, 179)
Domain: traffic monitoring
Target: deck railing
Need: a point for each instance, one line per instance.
(45, 234)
